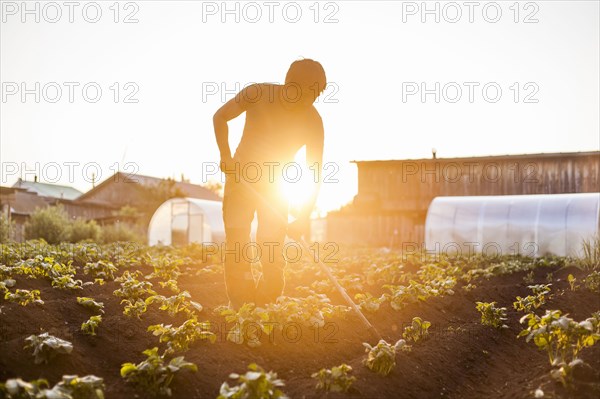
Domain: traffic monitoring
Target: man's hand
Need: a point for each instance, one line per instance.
(227, 164)
(299, 228)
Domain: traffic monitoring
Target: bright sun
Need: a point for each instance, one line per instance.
(298, 181)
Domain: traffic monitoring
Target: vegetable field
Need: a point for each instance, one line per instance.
(125, 321)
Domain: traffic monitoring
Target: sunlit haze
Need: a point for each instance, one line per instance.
(180, 63)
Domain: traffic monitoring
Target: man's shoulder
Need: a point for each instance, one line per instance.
(261, 92)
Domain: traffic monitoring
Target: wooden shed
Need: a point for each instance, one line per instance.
(394, 195)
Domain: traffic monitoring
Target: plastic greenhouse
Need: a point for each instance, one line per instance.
(180, 221)
(533, 225)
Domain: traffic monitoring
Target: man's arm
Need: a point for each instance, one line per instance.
(230, 110)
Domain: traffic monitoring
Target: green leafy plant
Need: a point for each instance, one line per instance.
(247, 322)
(368, 302)
(154, 375)
(530, 302)
(91, 304)
(562, 338)
(491, 315)
(176, 303)
(591, 253)
(336, 379)
(89, 327)
(24, 297)
(180, 338)
(18, 389)
(417, 331)
(100, 270)
(7, 226)
(66, 282)
(134, 309)
(381, 358)
(254, 384)
(592, 281)
(81, 230)
(529, 278)
(46, 346)
(572, 282)
(133, 289)
(72, 386)
(310, 311)
(50, 223)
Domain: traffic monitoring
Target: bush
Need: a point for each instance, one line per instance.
(50, 223)
(120, 233)
(6, 228)
(82, 230)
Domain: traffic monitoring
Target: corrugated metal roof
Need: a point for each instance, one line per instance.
(49, 190)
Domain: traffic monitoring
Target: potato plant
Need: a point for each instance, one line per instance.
(132, 289)
(180, 338)
(336, 379)
(417, 331)
(381, 358)
(134, 309)
(530, 302)
(24, 297)
(89, 327)
(91, 304)
(17, 388)
(46, 346)
(101, 269)
(71, 387)
(368, 302)
(176, 303)
(247, 321)
(592, 281)
(562, 338)
(256, 383)
(154, 375)
(491, 315)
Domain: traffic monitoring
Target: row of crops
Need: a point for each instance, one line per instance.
(147, 279)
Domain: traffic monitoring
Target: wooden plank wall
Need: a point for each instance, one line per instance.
(394, 195)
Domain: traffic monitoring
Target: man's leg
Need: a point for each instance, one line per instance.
(238, 212)
(272, 211)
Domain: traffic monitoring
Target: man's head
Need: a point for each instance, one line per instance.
(305, 81)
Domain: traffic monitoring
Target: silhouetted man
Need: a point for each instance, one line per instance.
(280, 119)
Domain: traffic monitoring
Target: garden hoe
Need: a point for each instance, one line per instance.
(325, 269)
(334, 281)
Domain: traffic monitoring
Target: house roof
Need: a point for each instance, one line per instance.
(21, 201)
(189, 189)
(490, 157)
(49, 190)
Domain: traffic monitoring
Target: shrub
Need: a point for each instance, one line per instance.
(120, 233)
(50, 223)
(84, 230)
(6, 228)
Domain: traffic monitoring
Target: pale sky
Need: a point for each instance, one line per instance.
(374, 54)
